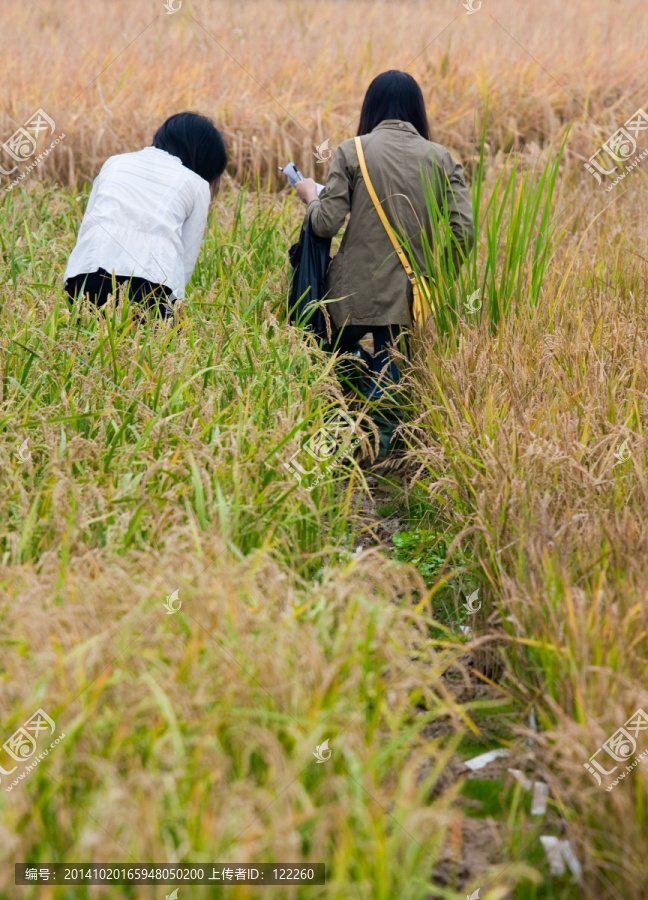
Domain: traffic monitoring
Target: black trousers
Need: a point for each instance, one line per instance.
(383, 371)
(98, 285)
(377, 377)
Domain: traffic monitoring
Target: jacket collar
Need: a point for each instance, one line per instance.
(396, 125)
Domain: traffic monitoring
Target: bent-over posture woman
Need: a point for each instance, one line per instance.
(368, 288)
(146, 216)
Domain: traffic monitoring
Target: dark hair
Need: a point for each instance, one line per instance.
(394, 95)
(197, 143)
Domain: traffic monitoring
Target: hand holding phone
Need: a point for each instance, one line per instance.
(294, 176)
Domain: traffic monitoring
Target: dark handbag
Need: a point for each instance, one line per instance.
(310, 259)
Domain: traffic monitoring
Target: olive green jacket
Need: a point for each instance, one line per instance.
(366, 282)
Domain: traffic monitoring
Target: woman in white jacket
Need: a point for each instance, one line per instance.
(146, 217)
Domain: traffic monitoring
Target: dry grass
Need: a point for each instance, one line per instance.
(280, 77)
(160, 467)
(516, 438)
(194, 734)
(154, 465)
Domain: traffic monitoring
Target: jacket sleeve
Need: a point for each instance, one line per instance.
(330, 210)
(459, 206)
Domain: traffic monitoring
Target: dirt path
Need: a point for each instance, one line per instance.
(474, 842)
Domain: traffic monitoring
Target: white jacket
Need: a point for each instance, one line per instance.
(146, 217)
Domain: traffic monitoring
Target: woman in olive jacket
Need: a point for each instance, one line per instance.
(368, 288)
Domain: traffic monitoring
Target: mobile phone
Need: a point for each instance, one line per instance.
(293, 175)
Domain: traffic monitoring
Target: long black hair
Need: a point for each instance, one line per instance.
(196, 141)
(394, 95)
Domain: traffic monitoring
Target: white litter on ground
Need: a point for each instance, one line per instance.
(521, 777)
(558, 853)
(554, 856)
(478, 762)
(572, 860)
(539, 802)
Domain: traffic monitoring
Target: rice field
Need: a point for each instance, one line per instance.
(202, 630)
